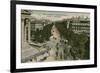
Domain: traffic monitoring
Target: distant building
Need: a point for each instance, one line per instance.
(80, 25)
(38, 23)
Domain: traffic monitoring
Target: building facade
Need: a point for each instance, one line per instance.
(80, 25)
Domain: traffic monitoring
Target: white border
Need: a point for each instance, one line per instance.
(20, 65)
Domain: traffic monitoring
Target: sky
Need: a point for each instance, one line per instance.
(57, 15)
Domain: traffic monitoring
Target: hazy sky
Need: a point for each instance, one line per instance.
(57, 15)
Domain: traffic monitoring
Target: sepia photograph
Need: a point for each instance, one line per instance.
(54, 36)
